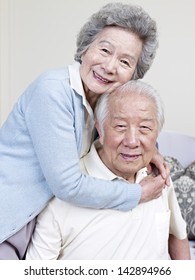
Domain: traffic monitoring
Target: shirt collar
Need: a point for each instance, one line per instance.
(75, 78)
(96, 168)
(76, 84)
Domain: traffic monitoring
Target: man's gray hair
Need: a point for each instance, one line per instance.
(130, 17)
(134, 88)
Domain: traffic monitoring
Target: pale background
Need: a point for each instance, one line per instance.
(36, 35)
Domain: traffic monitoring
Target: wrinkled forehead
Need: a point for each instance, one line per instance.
(129, 100)
(132, 108)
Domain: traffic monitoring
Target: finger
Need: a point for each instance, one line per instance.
(149, 169)
(163, 172)
(168, 181)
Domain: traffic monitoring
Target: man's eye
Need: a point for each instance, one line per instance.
(145, 128)
(120, 126)
(105, 50)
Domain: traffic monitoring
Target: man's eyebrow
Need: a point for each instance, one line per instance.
(148, 119)
(105, 41)
(116, 117)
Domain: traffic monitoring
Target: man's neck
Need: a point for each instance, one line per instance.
(128, 177)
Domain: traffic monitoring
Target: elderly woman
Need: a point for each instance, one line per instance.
(52, 126)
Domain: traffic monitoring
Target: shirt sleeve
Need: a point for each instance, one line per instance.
(50, 119)
(177, 223)
(45, 243)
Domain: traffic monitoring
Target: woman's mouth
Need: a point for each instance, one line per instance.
(100, 78)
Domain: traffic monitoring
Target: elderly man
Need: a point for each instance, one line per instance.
(128, 122)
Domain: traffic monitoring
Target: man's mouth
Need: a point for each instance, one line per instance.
(130, 157)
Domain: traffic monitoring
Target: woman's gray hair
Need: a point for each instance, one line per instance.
(134, 88)
(130, 17)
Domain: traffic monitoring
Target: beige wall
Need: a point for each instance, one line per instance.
(36, 35)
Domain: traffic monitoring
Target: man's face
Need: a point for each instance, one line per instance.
(130, 133)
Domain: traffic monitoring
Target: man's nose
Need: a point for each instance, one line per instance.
(131, 138)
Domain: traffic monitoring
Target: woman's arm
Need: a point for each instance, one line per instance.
(50, 118)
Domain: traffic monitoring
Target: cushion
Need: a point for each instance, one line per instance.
(184, 184)
(185, 192)
(190, 170)
(176, 169)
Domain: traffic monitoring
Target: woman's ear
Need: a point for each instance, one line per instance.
(100, 132)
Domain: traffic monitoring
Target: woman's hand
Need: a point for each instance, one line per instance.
(158, 177)
(152, 187)
(159, 166)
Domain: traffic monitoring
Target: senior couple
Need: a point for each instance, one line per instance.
(105, 206)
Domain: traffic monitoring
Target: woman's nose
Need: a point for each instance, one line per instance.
(110, 65)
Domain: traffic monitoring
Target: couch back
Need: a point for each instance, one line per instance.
(177, 145)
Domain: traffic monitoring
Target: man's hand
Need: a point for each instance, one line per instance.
(152, 187)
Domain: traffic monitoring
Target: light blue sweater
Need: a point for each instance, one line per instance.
(40, 145)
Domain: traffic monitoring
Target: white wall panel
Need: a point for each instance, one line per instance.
(36, 35)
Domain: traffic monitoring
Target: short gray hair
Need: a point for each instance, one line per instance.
(130, 17)
(134, 88)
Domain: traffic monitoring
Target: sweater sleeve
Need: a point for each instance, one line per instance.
(50, 120)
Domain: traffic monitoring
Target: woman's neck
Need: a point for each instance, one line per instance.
(92, 98)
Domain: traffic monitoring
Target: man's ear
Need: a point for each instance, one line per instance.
(100, 132)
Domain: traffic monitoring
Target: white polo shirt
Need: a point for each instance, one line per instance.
(65, 231)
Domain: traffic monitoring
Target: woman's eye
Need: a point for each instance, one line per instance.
(125, 62)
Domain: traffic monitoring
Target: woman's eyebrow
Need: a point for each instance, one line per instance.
(109, 43)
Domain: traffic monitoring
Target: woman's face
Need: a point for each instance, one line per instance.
(110, 60)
